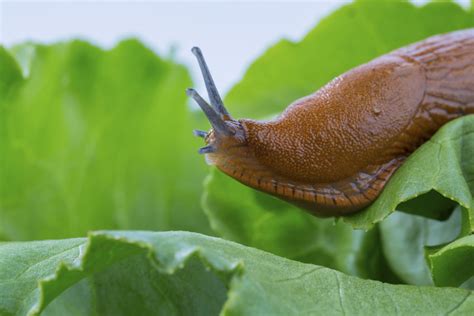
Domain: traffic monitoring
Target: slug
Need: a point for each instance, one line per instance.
(332, 152)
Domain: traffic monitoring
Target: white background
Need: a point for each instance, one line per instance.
(231, 34)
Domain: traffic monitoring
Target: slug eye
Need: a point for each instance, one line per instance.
(216, 113)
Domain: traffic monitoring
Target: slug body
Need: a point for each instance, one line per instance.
(332, 152)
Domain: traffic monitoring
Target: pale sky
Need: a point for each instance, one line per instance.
(231, 34)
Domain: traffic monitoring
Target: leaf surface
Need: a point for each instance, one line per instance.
(186, 273)
(451, 265)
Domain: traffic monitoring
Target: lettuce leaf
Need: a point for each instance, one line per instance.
(94, 139)
(181, 273)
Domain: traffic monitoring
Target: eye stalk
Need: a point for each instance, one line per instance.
(216, 120)
(212, 91)
(220, 119)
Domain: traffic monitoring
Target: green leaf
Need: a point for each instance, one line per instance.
(452, 264)
(11, 75)
(186, 273)
(95, 139)
(404, 238)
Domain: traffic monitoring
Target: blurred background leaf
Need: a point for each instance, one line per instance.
(451, 264)
(404, 238)
(96, 139)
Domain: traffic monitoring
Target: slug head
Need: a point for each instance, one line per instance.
(227, 135)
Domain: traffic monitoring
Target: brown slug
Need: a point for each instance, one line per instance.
(332, 152)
